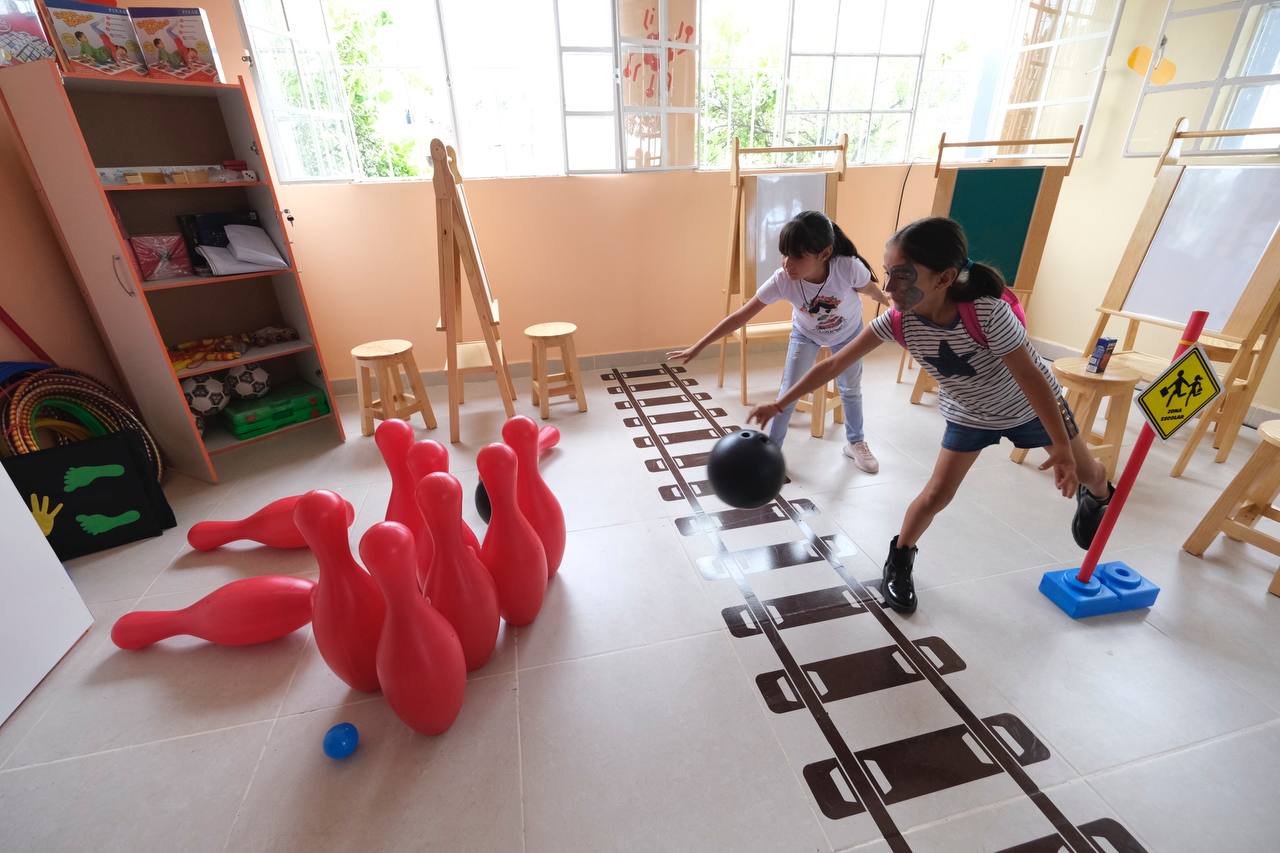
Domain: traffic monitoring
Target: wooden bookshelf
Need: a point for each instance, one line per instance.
(70, 126)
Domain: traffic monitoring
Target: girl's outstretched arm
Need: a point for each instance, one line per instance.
(727, 326)
(818, 376)
(873, 290)
(1041, 397)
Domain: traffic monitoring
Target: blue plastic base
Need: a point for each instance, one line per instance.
(1114, 588)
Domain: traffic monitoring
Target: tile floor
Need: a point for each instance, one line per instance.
(646, 709)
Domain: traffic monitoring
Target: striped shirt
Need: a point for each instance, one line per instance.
(975, 387)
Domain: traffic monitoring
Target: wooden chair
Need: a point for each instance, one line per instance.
(1250, 496)
(1085, 393)
(559, 335)
(385, 361)
(820, 402)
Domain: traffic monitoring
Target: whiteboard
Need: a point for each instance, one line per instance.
(1212, 236)
(778, 199)
(41, 614)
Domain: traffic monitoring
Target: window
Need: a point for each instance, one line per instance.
(658, 49)
(296, 67)
(1056, 70)
(589, 92)
(1227, 76)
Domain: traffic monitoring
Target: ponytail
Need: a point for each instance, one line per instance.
(811, 231)
(939, 243)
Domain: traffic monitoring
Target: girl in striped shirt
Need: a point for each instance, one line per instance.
(949, 314)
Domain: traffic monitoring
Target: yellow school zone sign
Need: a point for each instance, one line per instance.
(1180, 393)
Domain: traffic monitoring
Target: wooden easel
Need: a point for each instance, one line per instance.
(459, 252)
(744, 278)
(1247, 340)
(1024, 277)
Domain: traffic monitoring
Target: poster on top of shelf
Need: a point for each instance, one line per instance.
(96, 40)
(177, 43)
(22, 36)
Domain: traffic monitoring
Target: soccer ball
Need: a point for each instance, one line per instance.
(248, 381)
(206, 395)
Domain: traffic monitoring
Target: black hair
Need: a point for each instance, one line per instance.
(939, 243)
(810, 232)
(79, 34)
(156, 42)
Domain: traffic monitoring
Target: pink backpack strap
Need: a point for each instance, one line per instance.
(1014, 305)
(969, 317)
(895, 322)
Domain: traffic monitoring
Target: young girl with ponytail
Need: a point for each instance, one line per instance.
(958, 321)
(821, 276)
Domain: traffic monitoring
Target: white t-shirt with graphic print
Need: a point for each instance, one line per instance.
(975, 387)
(837, 311)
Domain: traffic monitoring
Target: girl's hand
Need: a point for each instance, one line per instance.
(1064, 469)
(763, 414)
(683, 356)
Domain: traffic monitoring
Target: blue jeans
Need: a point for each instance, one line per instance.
(801, 354)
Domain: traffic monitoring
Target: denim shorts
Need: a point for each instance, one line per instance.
(967, 439)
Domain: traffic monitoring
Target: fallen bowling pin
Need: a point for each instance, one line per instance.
(242, 613)
(421, 667)
(347, 608)
(548, 437)
(272, 526)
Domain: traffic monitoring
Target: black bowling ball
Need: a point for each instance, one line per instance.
(482, 503)
(746, 469)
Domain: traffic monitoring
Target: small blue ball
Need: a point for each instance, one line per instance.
(341, 740)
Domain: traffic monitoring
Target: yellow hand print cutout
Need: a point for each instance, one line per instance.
(42, 515)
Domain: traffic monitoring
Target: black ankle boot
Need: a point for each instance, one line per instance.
(1088, 517)
(896, 586)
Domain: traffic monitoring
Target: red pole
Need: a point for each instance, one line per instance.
(1190, 335)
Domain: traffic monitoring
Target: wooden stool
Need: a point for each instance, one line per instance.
(543, 336)
(384, 360)
(1247, 498)
(818, 403)
(1085, 392)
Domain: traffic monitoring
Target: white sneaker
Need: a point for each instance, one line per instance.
(862, 456)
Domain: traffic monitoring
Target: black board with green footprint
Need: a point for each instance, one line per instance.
(91, 495)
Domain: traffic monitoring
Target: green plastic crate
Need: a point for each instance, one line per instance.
(291, 403)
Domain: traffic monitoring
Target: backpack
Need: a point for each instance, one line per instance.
(968, 318)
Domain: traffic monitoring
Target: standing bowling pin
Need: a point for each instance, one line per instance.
(394, 438)
(347, 610)
(241, 613)
(548, 437)
(533, 495)
(512, 551)
(272, 526)
(420, 664)
(459, 585)
(431, 457)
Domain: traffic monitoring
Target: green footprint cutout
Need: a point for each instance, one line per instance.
(95, 524)
(78, 478)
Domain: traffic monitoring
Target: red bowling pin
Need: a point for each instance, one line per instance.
(272, 525)
(394, 438)
(533, 495)
(420, 664)
(459, 585)
(512, 551)
(430, 457)
(347, 611)
(244, 612)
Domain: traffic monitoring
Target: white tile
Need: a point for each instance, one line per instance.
(668, 747)
(399, 790)
(178, 794)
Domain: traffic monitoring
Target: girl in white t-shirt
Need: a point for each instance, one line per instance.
(821, 275)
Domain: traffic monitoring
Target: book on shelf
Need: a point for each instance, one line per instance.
(209, 229)
(22, 35)
(95, 41)
(177, 43)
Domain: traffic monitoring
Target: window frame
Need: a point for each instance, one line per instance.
(1215, 85)
(664, 109)
(615, 113)
(784, 96)
(268, 102)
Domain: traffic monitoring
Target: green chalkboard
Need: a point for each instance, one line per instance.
(994, 207)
